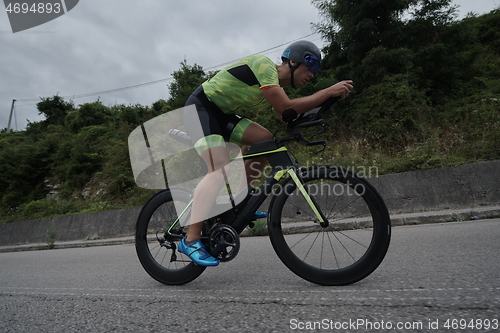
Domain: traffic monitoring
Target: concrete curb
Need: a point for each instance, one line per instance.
(441, 216)
(415, 197)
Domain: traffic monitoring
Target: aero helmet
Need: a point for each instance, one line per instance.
(305, 52)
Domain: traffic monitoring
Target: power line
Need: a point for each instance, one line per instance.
(261, 52)
(103, 92)
(29, 107)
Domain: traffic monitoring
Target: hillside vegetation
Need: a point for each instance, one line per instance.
(427, 92)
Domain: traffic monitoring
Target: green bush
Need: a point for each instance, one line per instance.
(51, 237)
(388, 114)
(48, 207)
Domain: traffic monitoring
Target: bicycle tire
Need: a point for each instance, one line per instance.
(358, 235)
(155, 219)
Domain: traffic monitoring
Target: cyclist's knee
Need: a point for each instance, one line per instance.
(218, 177)
(267, 135)
(256, 133)
(216, 158)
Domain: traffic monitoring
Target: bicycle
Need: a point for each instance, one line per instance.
(326, 224)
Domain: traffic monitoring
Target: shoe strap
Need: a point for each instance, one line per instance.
(199, 248)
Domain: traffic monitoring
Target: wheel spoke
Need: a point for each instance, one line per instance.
(333, 251)
(345, 248)
(314, 241)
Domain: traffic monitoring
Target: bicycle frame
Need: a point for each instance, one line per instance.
(349, 250)
(281, 162)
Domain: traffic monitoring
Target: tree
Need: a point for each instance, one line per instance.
(55, 109)
(23, 165)
(89, 114)
(423, 43)
(355, 27)
(186, 80)
(443, 50)
(488, 27)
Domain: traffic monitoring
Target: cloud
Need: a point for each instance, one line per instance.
(103, 45)
(107, 44)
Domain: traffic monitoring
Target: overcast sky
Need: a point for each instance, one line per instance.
(103, 45)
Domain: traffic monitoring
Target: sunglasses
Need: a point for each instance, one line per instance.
(312, 63)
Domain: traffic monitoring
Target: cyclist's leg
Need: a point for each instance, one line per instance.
(247, 132)
(210, 144)
(207, 189)
(252, 134)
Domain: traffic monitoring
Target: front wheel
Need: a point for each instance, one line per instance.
(346, 249)
(156, 240)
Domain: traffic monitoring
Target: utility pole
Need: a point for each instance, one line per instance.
(10, 117)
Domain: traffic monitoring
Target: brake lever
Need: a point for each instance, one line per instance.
(320, 131)
(300, 139)
(324, 147)
(320, 142)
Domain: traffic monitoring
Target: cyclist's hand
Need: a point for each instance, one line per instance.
(342, 89)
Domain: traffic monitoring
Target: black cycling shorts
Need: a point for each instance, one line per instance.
(217, 126)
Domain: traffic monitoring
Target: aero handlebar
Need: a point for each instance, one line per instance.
(297, 123)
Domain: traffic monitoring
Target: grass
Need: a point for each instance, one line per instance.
(259, 228)
(51, 237)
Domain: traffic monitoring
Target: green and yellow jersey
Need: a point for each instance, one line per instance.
(238, 87)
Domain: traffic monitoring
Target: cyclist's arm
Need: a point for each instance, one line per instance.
(280, 101)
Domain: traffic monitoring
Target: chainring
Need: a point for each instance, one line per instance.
(223, 242)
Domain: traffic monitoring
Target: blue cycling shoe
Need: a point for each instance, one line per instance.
(197, 253)
(259, 215)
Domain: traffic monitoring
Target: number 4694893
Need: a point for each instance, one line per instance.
(462, 324)
(36, 8)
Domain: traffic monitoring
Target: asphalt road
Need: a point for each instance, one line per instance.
(434, 276)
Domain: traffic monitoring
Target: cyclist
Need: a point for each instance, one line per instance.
(254, 83)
